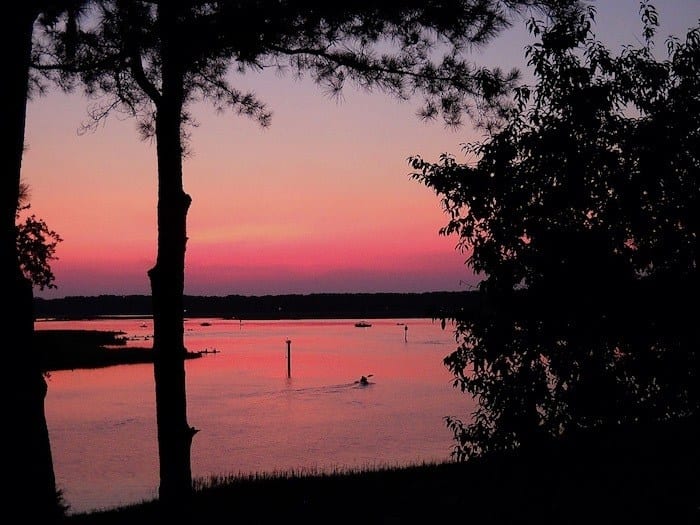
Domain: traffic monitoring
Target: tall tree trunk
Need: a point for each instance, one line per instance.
(167, 285)
(32, 485)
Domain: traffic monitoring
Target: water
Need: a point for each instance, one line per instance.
(252, 417)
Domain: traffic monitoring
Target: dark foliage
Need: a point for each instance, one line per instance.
(36, 248)
(412, 49)
(581, 213)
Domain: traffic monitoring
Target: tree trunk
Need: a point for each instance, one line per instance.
(32, 485)
(167, 285)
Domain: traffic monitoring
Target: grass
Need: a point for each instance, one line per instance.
(635, 475)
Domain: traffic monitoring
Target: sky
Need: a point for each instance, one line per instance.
(321, 201)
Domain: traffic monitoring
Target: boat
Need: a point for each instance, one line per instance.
(363, 324)
(364, 380)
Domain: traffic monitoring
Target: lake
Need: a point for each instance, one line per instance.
(252, 417)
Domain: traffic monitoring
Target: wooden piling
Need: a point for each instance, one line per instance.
(289, 358)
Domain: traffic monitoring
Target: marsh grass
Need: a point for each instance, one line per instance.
(640, 474)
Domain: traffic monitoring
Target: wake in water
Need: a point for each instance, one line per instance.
(322, 389)
(330, 389)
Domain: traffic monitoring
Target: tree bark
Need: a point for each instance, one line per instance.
(167, 284)
(32, 484)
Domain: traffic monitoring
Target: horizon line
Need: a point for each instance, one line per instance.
(256, 295)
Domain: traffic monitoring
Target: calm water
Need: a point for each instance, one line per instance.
(251, 416)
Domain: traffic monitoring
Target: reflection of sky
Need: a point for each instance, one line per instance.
(320, 201)
(251, 416)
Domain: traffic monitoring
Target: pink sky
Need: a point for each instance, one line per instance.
(319, 202)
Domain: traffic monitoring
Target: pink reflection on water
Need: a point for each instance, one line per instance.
(252, 417)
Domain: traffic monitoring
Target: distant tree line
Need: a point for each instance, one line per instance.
(291, 306)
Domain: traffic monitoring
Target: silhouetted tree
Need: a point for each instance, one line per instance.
(158, 57)
(36, 244)
(581, 213)
(30, 465)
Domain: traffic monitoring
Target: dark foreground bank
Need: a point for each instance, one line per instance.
(642, 474)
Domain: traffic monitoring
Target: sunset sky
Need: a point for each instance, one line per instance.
(321, 201)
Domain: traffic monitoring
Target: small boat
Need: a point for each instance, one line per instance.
(364, 380)
(363, 324)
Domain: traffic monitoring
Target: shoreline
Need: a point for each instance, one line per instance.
(291, 306)
(88, 349)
